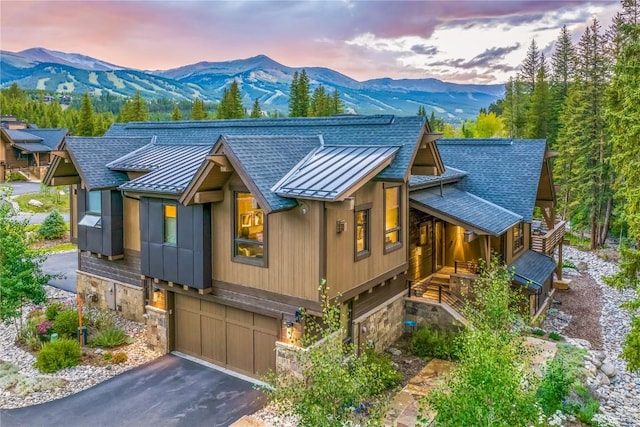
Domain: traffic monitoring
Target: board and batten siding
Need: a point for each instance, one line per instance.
(292, 249)
(343, 271)
(131, 224)
(510, 257)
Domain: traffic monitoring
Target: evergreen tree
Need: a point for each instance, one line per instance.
(530, 67)
(320, 103)
(563, 61)
(538, 114)
(86, 125)
(436, 124)
(422, 112)
(514, 114)
(176, 116)
(256, 111)
(293, 96)
(336, 103)
(197, 110)
(231, 106)
(299, 100)
(134, 110)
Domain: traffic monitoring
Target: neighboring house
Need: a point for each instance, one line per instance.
(27, 149)
(216, 233)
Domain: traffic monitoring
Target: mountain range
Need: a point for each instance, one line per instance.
(259, 77)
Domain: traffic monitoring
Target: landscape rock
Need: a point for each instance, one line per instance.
(34, 202)
(394, 351)
(608, 369)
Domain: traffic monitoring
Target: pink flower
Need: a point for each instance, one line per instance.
(44, 327)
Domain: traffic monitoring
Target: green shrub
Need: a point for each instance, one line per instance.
(99, 319)
(53, 227)
(538, 332)
(554, 387)
(381, 374)
(119, 358)
(566, 263)
(107, 356)
(56, 355)
(66, 324)
(17, 176)
(429, 342)
(582, 404)
(29, 336)
(555, 336)
(110, 338)
(53, 309)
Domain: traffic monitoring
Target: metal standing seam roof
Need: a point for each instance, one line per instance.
(51, 137)
(171, 167)
(265, 159)
(22, 136)
(450, 174)
(91, 154)
(466, 208)
(532, 269)
(32, 147)
(503, 171)
(329, 171)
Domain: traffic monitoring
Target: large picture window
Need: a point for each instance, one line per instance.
(249, 229)
(392, 220)
(518, 237)
(362, 232)
(170, 225)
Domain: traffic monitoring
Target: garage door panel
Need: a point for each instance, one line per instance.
(213, 309)
(188, 332)
(213, 336)
(265, 322)
(239, 316)
(240, 347)
(187, 303)
(264, 345)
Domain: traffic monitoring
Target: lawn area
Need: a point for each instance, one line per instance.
(51, 200)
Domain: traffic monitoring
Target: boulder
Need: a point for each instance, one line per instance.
(602, 379)
(34, 202)
(608, 369)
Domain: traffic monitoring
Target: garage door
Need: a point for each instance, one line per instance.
(235, 339)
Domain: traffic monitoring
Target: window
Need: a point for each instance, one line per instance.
(170, 225)
(94, 202)
(249, 229)
(392, 218)
(362, 232)
(518, 237)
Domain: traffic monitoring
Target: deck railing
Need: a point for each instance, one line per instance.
(547, 243)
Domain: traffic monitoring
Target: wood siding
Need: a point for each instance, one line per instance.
(343, 271)
(292, 250)
(125, 270)
(509, 255)
(131, 224)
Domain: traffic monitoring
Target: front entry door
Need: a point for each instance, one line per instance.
(439, 246)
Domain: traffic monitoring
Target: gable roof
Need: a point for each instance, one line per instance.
(22, 136)
(532, 269)
(330, 171)
(51, 137)
(90, 156)
(465, 209)
(503, 171)
(450, 175)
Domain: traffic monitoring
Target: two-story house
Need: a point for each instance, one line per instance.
(216, 233)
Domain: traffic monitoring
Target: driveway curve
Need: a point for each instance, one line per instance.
(170, 391)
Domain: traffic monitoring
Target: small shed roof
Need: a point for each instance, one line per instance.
(532, 269)
(32, 147)
(22, 136)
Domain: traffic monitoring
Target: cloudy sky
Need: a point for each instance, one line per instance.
(475, 41)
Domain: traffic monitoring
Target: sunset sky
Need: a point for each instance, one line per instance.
(458, 41)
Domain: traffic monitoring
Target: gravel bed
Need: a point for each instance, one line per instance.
(46, 387)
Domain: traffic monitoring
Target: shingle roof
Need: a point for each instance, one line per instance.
(532, 269)
(503, 171)
(450, 174)
(329, 171)
(266, 159)
(383, 130)
(22, 136)
(51, 137)
(90, 156)
(172, 166)
(467, 209)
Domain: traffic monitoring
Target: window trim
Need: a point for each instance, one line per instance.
(164, 224)
(391, 247)
(358, 255)
(235, 257)
(520, 238)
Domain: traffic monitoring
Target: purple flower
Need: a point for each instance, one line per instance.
(44, 327)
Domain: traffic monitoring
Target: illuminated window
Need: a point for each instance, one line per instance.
(518, 237)
(362, 232)
(392, 218)
(170, 225)
(249, 229)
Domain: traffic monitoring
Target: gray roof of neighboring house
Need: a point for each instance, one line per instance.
(51, 137)
(450, 174)
(503, 171)
(329, 171)
(382, 130)
(262, 160)
(91, 154)
(171, 166)
(466, 208)
(532, 269)
(22, 136)
(32, 147)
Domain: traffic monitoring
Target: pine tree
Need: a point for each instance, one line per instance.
(563, 61)
(197, 110)
(86, 125)
(176, 116)
(538, 114)
(530, 66)
(256, 111)
(514, 113)
(134, 110)
(231, 106)
(422, 112)
(293, 96)
(337, 106)
(299, 100)
(320, 103)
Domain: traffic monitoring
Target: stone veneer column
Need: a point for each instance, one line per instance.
(157, 329)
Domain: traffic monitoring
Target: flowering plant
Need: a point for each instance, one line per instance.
(44, 328)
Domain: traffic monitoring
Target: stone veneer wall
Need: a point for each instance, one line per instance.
(431, 313)
(157, 329)
(287, 359)
(96, 291)
(382, 326)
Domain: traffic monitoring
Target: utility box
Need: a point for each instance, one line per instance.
(84, 334)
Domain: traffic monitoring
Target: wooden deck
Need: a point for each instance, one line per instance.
(548, 242)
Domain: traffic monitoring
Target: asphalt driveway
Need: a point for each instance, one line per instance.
(170, 391)
(64, 265)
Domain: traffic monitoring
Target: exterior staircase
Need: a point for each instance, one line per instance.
(437, 289)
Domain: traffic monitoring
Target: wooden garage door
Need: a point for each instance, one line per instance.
(235, 339)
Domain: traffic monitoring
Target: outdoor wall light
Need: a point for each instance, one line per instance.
(304, 208)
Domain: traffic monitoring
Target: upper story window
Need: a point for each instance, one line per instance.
(518, 237)
(392, 219)
(93, 210)
(362, 215)
(170, 235)
(248, 244)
